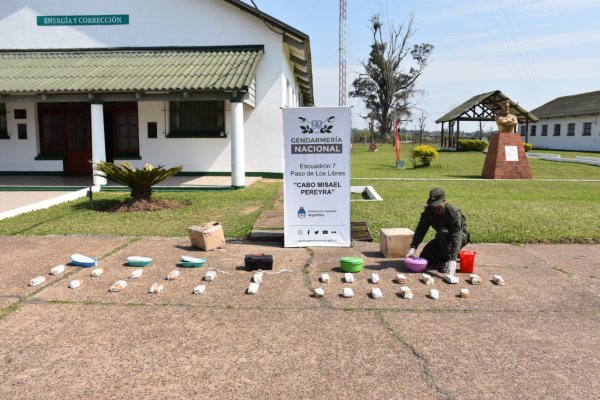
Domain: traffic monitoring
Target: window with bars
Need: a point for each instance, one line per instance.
(587, 129)
(533, 130)
(544, 130)
(571, 130)
(196, 119)
(126, 132)
(556, 130)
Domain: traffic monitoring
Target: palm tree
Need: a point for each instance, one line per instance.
(140, 180)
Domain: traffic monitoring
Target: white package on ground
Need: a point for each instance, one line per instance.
(453, 279)
(199, 289)
(136, 273)
(59, 269)
(38, 280)
(118, 286)
(171, 276)
(427, 279)
(348, 277)
(74, 284)
(325, 278)
(210, 276)
(376, 293)
(252, 288)
(434, 294)
(406, 292)
(155, 288)
(498, 280)
(475, 279)
(257, 277)
(319, 292)
(374, 278)
(347, 292)
(401, 278)
(96, 272)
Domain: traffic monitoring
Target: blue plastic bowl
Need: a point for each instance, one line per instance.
(83, 261)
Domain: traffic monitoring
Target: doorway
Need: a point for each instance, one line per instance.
(65, 132)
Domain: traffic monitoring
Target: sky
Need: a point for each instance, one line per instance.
(532, 50)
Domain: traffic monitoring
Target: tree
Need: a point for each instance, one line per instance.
(388, 84)
(421, 124)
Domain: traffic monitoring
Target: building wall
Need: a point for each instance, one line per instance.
(564, 142)
(154, 23)
(18, 154)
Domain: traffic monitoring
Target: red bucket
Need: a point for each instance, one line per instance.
(467, 261)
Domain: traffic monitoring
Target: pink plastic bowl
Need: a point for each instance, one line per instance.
(415, 264)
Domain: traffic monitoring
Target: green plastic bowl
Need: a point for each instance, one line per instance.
(138, 261)
(351, 264)
(189, 264)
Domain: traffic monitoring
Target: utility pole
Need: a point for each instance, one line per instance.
(342, 54)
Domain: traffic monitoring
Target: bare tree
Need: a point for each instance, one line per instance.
(421, 123)
(388, 84)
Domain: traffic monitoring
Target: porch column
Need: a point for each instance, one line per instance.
(98, 145)
(238, 159)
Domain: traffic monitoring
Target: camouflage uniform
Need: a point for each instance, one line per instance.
(451, 234)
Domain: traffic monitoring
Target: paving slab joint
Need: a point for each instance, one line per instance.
(425, 370)
(323, 302)
(569, 274)
(27, 298)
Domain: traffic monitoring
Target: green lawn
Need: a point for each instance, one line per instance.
(544, 209)
(237, 210)
(381, 164)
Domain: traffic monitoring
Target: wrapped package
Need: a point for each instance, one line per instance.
(59, 269)
(118, 286)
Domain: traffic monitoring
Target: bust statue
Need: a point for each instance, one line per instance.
(505, 120)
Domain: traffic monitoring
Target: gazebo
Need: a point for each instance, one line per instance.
(482, 107)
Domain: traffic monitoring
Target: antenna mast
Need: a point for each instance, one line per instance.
(342, 54)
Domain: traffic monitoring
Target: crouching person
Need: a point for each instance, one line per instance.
(451, 233)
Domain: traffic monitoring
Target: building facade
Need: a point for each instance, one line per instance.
(197, 83)
(567, 123)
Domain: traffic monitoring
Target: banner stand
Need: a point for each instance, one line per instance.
(317, 146)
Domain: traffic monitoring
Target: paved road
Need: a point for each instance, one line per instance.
(535, 338)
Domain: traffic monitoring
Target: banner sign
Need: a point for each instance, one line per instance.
(61, 20)
(316, 144)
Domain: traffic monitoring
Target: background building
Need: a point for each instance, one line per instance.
(567, 123)
(193, 83)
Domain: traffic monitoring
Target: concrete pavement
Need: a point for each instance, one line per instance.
(535, 338)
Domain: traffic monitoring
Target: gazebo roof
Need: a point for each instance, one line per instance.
(484, 107)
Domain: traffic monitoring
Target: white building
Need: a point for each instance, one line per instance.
(567, 123)
(197, 83)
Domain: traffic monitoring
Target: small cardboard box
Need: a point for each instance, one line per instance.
(395, 242)
(207, 237)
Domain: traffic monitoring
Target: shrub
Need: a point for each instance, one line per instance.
(140, 181)
(425, 154)
(472, 145)
(527, 146)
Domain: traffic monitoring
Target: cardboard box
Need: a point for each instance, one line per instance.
(207, 237)
(395, 242)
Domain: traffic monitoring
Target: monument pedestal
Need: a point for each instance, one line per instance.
(506, 158)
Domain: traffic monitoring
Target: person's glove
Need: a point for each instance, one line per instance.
(411, 253)
(451, 267)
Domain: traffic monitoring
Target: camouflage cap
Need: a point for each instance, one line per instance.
(436, 197)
